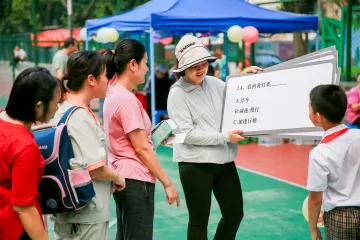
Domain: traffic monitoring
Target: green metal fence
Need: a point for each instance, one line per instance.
(334, 32)
(355, 40)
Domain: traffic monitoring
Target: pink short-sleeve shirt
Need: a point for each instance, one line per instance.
(123, 113)
(353, 97)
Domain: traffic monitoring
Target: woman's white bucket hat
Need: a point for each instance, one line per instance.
(190, 51)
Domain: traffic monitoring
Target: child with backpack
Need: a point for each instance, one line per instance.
(334, 168)
(85, 80)
(34, 97)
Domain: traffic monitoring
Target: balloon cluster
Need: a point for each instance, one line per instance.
(103, 35)
(247, 34)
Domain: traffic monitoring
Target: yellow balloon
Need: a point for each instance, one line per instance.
(235, 34)
(306, 213)
(113, 35)
(241, 44)
(102, 34)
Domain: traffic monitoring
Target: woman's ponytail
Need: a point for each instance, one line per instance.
(110, 64)
(64, 81)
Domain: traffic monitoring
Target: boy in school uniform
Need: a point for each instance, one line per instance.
(334, 168)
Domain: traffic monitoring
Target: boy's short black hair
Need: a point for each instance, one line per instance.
(330, 101)
(69, 41)
(31, 86)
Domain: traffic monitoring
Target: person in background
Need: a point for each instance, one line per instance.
(34, 97)
(353, 104)
(84, 80)
(61, 57)
(162, 88)
(128, 130)
(334, 168)
(221, 64)
(19, 55)
(206, 158)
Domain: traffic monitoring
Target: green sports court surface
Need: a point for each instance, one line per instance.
(272, 208)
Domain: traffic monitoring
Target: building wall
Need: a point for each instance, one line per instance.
(275, 6)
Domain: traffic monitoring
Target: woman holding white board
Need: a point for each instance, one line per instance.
(206, 158)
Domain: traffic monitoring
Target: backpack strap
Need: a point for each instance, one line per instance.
(67, 114)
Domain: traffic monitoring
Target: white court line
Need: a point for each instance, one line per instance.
(272, 177)
(266, 175)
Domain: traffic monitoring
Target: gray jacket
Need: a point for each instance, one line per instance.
(197, 111)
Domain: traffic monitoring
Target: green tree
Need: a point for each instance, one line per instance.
(12, 17)
(15, 15)
(301, 40)
(308, 7)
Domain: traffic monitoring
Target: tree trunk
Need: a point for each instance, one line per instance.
(301, 44)
(64, 3)
(86, 12)
(48, 12)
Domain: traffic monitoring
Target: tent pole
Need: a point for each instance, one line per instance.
(152, 76)
(243, 55)
(226, 53)
(318, 39)
(87, 41)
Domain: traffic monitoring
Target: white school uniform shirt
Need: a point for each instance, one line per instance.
(334, 169)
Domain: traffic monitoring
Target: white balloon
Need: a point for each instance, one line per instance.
(241, 44)
(103, 34)
(235, 33)
(306, 213)
(113, 35)
(83, 35)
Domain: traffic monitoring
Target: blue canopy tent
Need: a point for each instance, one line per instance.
(182, 16)
(220, 15)
(137, 19)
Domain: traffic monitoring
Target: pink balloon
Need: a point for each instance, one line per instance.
(166, 41)
(251, 34)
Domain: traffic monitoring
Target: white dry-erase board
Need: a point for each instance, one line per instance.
(274, 102)
(318, 55)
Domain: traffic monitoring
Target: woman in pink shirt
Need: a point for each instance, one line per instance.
(128, 130)
(353, 101)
